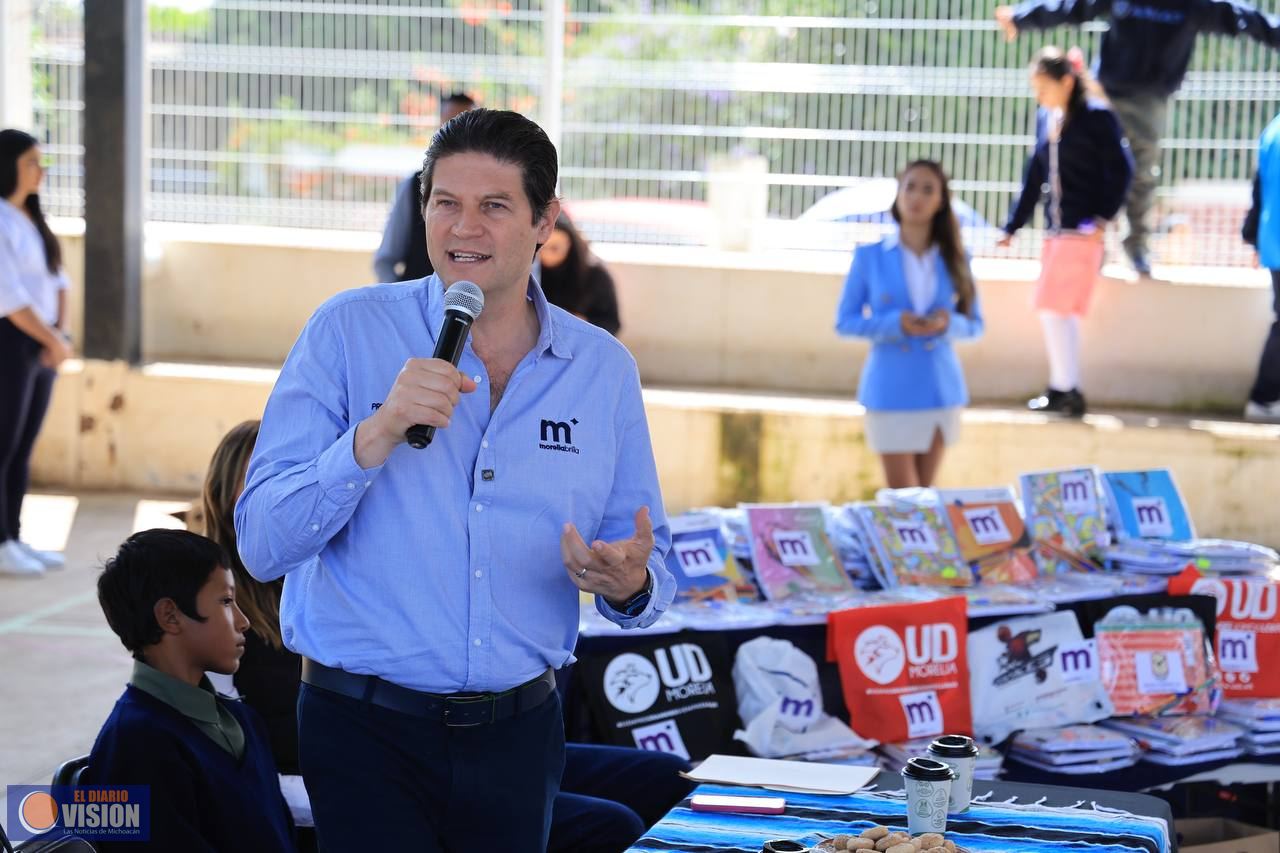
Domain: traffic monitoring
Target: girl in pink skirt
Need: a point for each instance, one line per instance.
(1083, 160)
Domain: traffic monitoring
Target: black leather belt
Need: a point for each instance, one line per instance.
(454, 709)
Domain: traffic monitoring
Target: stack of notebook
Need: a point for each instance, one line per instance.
(1075, 750)
(1163, 557)
(846, 537)
(1260, 719)
(851, 756)
(1179, 741)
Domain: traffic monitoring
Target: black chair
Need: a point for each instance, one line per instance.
(69, 772)
(64, 844)
(50, 842)
(55, 841)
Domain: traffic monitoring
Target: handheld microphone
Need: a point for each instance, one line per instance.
(463, 302)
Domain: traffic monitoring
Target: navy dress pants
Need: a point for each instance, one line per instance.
(610, 795)
(383, 780)
(25, 388)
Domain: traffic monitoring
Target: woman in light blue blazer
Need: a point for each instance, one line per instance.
(911, 295)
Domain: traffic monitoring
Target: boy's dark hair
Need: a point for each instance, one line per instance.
(505, 136)
(149, 566)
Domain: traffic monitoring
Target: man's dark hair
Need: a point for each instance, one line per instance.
(505, 136)
(149, 566)
(460, 99)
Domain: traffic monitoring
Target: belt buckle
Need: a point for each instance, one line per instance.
(468, 701)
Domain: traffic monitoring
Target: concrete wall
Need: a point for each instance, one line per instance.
(154, 429)
(702, 317)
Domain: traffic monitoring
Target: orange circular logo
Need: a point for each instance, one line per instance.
(38, 812)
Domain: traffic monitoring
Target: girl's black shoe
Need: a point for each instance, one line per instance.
(1068, 403)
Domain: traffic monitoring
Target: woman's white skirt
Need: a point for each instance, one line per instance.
(911, 430)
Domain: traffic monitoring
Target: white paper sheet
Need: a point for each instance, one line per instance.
(798, 776)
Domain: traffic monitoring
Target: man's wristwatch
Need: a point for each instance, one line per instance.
(636, 604)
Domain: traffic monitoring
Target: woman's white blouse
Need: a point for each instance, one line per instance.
(921, 274)
(25, 280)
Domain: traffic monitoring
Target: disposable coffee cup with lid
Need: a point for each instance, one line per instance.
(928, 783)
(959, 753)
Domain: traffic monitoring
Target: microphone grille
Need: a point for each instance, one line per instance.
(464, 296)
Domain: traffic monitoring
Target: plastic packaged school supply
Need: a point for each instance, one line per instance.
(1183, 741)
(1156, 663)
(1079, 749)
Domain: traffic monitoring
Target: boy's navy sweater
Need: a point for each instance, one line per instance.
(202, 799)
(1148, 45)
(1094, 166)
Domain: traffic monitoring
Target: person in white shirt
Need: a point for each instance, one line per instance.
(33, 339)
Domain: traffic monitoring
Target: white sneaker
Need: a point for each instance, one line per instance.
(14, 561)
(48, 559)
(1262, 411)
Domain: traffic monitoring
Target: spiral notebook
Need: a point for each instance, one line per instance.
(1065, 518)
(990, 532)
(913, 545)
(1146, 505)
(790, 551)
(699, 558)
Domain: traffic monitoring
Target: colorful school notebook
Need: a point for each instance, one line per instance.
(699, 559)
(1064, 517)
(790, 551)
(991, 533)
(913, 545)
(1146, 505)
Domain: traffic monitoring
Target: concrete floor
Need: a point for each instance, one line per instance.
(60, 666)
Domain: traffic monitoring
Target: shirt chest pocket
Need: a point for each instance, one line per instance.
(567, 454)
(567, 465)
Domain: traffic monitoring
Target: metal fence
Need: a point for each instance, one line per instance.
(668, 112)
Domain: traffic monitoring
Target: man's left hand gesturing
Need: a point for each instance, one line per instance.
(616, 570)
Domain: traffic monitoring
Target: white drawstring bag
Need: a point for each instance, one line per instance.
(1034, 672)
(780, 701)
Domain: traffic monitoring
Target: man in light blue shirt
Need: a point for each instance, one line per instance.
(433, 592)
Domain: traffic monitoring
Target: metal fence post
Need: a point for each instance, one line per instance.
(114, 177)
(553, 69)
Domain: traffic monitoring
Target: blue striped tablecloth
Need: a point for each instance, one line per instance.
(988, 827)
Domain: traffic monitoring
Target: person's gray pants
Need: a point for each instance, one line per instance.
(1142, 117)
